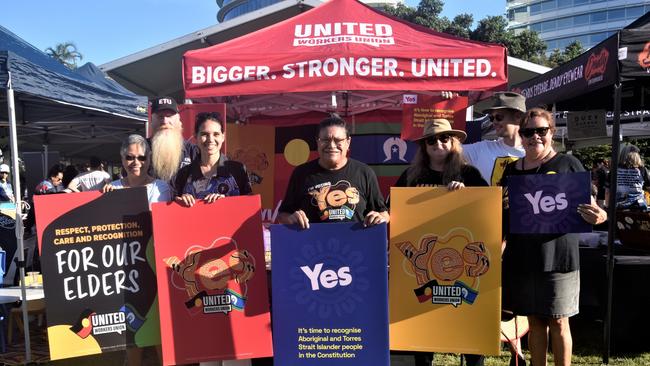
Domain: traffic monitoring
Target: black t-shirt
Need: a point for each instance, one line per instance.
(540, 252)
(469, 176)
(346, 194)
(601, 182)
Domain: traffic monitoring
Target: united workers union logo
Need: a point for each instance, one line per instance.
(215, 282)
(447, 268)
(335, 201)
(90, 322)
(321, 34)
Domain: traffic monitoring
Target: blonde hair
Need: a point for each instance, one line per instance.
(454, 163)
(630, 157)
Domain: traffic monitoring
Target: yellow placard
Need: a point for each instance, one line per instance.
(255, 147)
(445, 270)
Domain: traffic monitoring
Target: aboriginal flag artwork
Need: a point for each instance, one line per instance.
(445, 270)
(212, 281)
(99, 281)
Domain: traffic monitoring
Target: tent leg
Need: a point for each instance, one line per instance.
(616, 138)
(11, 111)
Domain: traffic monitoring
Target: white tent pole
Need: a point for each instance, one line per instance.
(11, 111)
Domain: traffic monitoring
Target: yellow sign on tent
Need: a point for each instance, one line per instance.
(445, 270)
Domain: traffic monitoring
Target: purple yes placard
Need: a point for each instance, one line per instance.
(548, 203)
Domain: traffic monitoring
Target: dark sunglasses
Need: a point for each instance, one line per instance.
(530, 132)
(139, 157)
(497, 117)
(433, 139)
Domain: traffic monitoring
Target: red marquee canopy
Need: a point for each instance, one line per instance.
(343, 45)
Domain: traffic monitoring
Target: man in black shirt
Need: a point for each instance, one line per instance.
(333, 188)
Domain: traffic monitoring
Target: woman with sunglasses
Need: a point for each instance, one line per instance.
(210, 176)
(136, 158)
(541, 277)
(438, 162)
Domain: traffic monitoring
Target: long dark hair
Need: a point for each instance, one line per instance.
(454, 163)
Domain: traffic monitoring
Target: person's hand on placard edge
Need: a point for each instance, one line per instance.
(108, 188)
(297, 218)
(592, 213)
(186, 200)
(374, 218)
(213, 197)
(455, 185)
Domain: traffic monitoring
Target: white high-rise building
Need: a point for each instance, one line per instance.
(233, 8)
(560, 22)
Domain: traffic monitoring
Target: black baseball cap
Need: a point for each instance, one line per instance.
(162, 103)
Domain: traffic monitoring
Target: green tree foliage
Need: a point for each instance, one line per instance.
(526, 45)
(590, 155)
(461, 26)
(557, 57)
(66, 53)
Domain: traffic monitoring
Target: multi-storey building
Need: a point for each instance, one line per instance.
(560, 22)
(233, 8)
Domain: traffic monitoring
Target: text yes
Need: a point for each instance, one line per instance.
(327, 278)
(547, 203)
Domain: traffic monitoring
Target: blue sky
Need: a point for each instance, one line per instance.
(107, 30)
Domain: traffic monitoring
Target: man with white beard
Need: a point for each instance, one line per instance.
(169, 150)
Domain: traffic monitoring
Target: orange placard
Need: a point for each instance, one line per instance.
(445, 270)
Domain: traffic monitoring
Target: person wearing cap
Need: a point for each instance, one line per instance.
(439, 162)
(490, 157)
(6, 192)
(92, 180)
(170, 151)
(333, 188)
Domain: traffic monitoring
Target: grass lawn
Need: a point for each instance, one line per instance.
(587, 349)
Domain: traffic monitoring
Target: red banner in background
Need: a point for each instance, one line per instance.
(417, 108)
(188, 114)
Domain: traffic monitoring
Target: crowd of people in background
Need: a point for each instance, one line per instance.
(540, 272)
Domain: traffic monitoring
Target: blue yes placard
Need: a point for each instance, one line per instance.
(330, 295)
(548, 203)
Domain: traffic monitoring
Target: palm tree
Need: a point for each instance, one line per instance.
(66, 53)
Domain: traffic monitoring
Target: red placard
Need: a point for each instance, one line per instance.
(211, 281)
(416, 109)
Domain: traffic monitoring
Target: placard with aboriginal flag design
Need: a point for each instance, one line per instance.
(445, 270)
(212, 281)
(97, 261)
